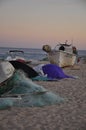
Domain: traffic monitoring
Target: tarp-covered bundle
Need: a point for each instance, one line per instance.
(50, 72)
(54, 72)
(30, 93)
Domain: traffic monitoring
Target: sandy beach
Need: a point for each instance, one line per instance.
(70, 115)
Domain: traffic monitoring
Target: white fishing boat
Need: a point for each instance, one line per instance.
(63, 56)
(16, 55)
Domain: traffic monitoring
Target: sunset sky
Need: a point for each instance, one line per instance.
(33, 23)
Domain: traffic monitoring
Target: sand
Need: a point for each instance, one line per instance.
(70, 115)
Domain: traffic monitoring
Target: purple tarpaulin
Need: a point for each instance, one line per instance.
(54, 71)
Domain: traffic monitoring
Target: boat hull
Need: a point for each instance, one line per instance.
(6, 72)
(62, 58)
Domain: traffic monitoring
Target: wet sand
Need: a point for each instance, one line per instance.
(70, 115)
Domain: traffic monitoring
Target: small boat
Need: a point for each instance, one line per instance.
(14, 55)
(6, 72)
(63, 56)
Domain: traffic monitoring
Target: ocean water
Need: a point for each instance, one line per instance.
(31, 53)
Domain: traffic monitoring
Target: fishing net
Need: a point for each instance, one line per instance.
(7, 102)
(39, 99)
(23, 85)
(30, 93)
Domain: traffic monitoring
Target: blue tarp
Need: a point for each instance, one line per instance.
(54, 72)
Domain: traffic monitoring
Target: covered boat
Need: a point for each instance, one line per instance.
(6, 72)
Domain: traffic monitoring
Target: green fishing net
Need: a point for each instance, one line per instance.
(30, 94)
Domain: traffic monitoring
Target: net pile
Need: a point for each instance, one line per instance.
(24, 93)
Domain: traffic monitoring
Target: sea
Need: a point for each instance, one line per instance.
(32, 53)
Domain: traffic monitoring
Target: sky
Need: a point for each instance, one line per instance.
(34, 23)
